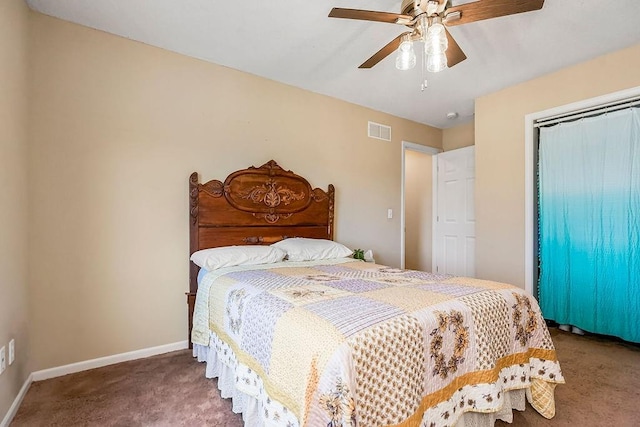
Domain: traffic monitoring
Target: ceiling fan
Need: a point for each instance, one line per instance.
(427, 20)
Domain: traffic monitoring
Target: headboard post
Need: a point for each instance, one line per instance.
(331, 194)
(193, 242)
(193, 230)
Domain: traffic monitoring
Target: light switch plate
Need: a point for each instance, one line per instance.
(12, 351)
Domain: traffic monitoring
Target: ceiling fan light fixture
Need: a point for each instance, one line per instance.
(406, 58)
(425, 18)
(436, 62)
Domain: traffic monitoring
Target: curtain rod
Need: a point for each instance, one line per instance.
(588, 112)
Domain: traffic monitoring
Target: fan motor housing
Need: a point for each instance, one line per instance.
(430, 7)
(408, 7)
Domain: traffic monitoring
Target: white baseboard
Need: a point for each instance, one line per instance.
(107, 360)
(17, 401)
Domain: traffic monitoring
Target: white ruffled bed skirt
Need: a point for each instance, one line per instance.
(244, 404)
(253, 406)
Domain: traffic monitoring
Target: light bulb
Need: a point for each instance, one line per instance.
(436, 62)
(436, 41)
(406, 58)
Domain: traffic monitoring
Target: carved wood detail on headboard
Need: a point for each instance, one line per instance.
(257, 205)
(268, 192)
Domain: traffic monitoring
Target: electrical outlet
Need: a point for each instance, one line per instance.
(3, 360)
(12, 351)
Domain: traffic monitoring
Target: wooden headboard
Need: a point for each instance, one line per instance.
(254, 206)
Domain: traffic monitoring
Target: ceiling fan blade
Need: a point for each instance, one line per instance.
(384, 52)
(454, 54)
(487, 9)
(369, 15)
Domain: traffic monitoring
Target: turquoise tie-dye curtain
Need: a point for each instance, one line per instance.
(589, 195)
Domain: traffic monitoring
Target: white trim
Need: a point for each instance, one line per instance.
(13, 410)
(529, 179)
(421, 148)
(406, 145)
(620, 104)
(59, 371)
(434, 211)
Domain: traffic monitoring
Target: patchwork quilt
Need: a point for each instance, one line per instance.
(346, 343)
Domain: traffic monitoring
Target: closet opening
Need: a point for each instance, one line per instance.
(582, 216)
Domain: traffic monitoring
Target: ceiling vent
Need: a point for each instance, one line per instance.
(378, 131)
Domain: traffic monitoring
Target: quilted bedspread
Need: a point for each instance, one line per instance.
(352, 343)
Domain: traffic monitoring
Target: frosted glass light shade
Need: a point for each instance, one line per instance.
(436, 62)
(436, 41)
(406, 58)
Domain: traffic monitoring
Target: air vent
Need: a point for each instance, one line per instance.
(378, 131)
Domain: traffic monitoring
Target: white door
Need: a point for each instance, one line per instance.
(455, 231)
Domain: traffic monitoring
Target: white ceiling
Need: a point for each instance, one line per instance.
(294, 42)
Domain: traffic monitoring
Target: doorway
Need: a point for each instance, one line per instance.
(416, 206)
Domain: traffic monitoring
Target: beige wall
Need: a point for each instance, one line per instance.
(459, 136)
(14, 17)
(418, 210)
(117, 127)
(499, 130)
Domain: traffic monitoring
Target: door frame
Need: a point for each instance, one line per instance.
(411, 146)
(530, 169)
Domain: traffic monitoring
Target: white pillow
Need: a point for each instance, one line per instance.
(229, 256)
(302, 249)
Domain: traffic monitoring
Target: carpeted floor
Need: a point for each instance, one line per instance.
(170, 390)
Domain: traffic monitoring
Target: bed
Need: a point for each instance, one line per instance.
(336, 341)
